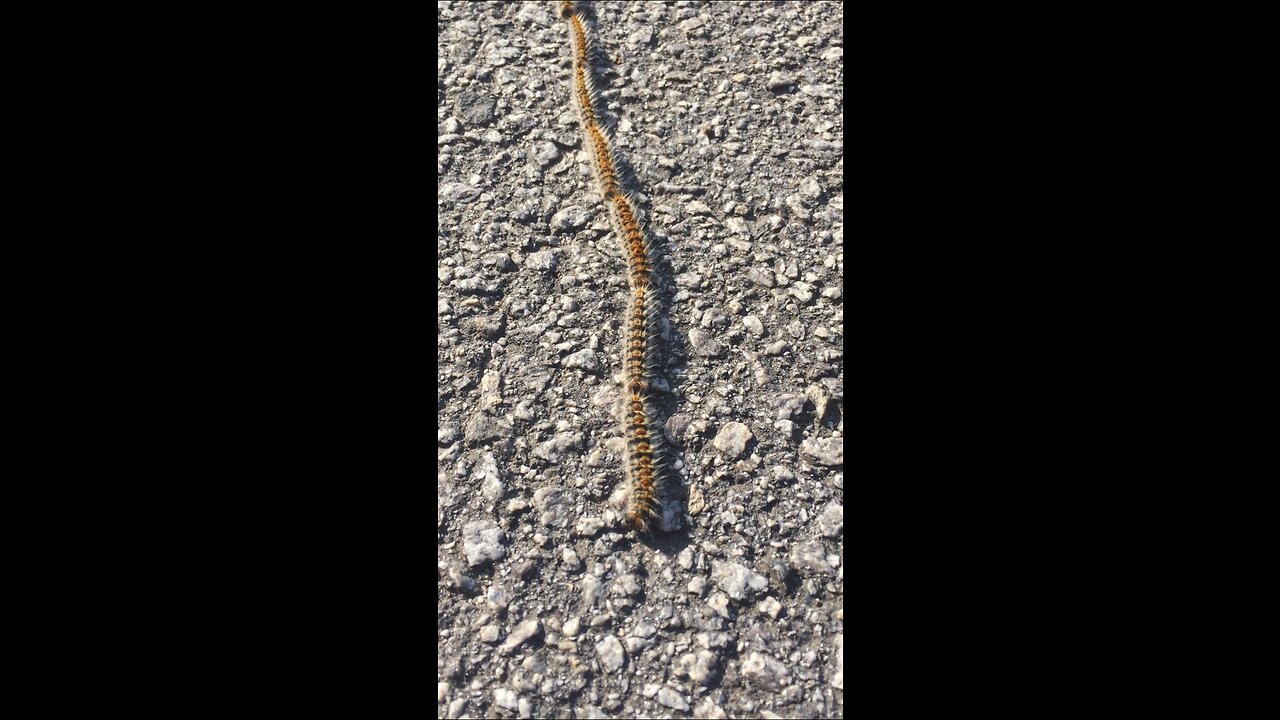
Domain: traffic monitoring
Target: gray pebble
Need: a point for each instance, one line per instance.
(500, 260)
(491, 481)
(697, 207)
(732, 439)
(520, 634)
(771, 607)
(831, 521)
(542, 260)
(765, 671)
(474, 108)
(592, 588)
(584, 359)
(588, 526)
(459, 193)
(552, 449)
(570, 560)
(482, 428)
(546, 153)
(508, 699)
(797, 208)
(460, 582)
(491, 384)
(713, 640)
(625, 586)
(685, 558)
(676, 425)
(822, 91)
(719, 603)
(703, 344)
(777, 81)
(497, 599)
(777, 348)
(811, 556)
(571, 627)
(760, 277)
(672, 699)
(447, 434)
(802, 291)
(610, 651)
(482, 542)
(570, 218)
(709, 709)
(698, 667)
(754, 325)
(787, 429)
(737, 581)
(688, 280)
(828, 451)
(456, 707)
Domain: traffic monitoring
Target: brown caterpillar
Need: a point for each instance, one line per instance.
(639, 463)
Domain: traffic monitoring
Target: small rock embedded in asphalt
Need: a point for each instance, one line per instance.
(584, 359)
(491, 485)
(570, 560)
(570, 218)
(588, 526)
(610, 651)
(780, 81)
(703, 344)
(709, 709)
(482, 542)
(831, 521)
(737, 581)
(811, 556)
(474, 108)
(546, 154)
(672, 699)
(552, 449)
(542, 260)
(460, 193)
(828, 451)
(765, 671)
(732, 439)
(520, 634)
(719, 602)
(699, 666)
(506, 698)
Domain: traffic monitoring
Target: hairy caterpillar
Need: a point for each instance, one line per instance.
(640, 463)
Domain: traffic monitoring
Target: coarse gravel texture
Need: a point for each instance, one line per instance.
(730, 116)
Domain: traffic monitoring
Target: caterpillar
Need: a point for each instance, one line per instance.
(640, 462)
